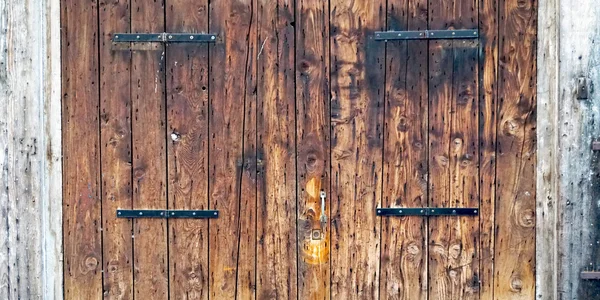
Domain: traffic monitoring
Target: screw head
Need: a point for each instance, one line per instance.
(191, 37)
(215, 213)
(170, 36)
(141, 213)
(379, 211)
(213, 37)
(137, 37)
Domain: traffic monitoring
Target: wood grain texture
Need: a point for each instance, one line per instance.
(115, 141)
(277, 209)
(313, 153)
(30, 151)
(357, 74)
(149, 154)
(233, 155)
(488, 99)
(516, 152)
(81, 151)
(577, 227)
(187, 147)
(453, 153)
(547, 172)
(404, 250)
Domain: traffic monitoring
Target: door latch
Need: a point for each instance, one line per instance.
(323, 216)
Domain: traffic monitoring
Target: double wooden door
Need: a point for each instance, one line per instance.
(296, 123)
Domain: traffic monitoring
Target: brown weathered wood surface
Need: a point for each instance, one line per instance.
(514, 256)
(187, 144)
(488, 99)
(404, 248)
(357, 92)
(151, 269)
(453, 154)
(294, 98)
(115, 147)
(276, 249)
(232, 159)
(313, 153)
(81, 151)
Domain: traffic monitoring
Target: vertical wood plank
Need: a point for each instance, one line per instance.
(453, 153)
(31, 264)
(357, 92)
(187, 147)
(149, 153)
(81, 157)
(277, 207)
(115, 141)
(233, 155)
(488, 99)
(547, 267)
(313, 153)
(404, 251)
(516, 152)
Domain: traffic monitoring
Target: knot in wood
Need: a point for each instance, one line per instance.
(90, 264)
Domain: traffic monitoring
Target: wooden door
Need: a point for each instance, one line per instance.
(297, 124)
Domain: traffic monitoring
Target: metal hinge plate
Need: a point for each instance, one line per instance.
(426, 211)
(590, 275)
(165, 37)
(426, 34)
(167, 214)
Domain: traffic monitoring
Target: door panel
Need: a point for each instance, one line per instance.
(295, 98)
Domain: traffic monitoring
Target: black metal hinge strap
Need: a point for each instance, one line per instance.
(426, 34)
(427, 211)
(167, 214)
(165, 37)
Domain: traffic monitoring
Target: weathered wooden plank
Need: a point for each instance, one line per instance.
(187, 147)
(578, 167)
(453, 154)
(277, 207)
(313, 158)
(488, 99)
(81, 157)
(516, 152)
(149, 153)
(232, 148)
(404, 250)
(357, 74)
(30, 151)
(547, 267)
(115, 142)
